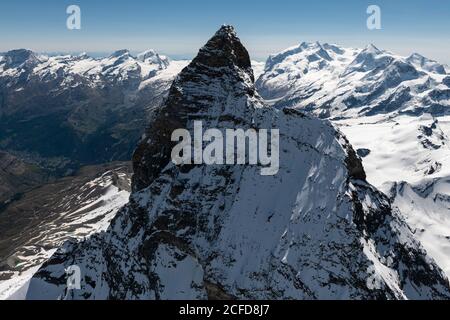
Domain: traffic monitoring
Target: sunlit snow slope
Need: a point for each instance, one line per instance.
(34, 227)
(393, 109)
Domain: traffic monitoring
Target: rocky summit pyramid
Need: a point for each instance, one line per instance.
(315, 230)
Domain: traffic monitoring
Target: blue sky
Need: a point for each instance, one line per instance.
(179, 28)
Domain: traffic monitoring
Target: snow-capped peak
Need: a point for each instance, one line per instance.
(368, 59)
(426, 64)
(120, 53)
(20, 58)
(119, 67)
(310, 50)
(151, 57)
(83, 55)
(304, 61)
(353, 81)
(146, 55)
(310, 45)
(370, 48)
(226, 31)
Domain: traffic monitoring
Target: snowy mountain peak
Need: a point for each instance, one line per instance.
(371, 48)
(310, 45)
(226, 30)
(333, 48)
(83, 55)
(151, 57)
(304, 57)
(121, 67)
(20, 55)
(426, 64)
(368, 58)
(20, 58)
(120, 53)
(353, 82)
(224, 49)
(315, 51)
(146, 55)
(417, 57)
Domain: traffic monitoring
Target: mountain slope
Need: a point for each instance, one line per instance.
(409, 159)
(393, 109)
(67, 111)
(315, 230)
(35, 226)
(16, 176)
(426, 207)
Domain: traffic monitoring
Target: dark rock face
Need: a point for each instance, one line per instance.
(221, 57)
(315, 230)
(446, 81)
(224, 50)
(362, 152)
(353, 162)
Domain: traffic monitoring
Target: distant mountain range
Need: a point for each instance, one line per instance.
(335, 82)
(65, 111)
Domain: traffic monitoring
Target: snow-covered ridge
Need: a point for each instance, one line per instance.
(332, 81)
(119, 66)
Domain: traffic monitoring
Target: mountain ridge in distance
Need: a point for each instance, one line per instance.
(336, 82)
(64, 112)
